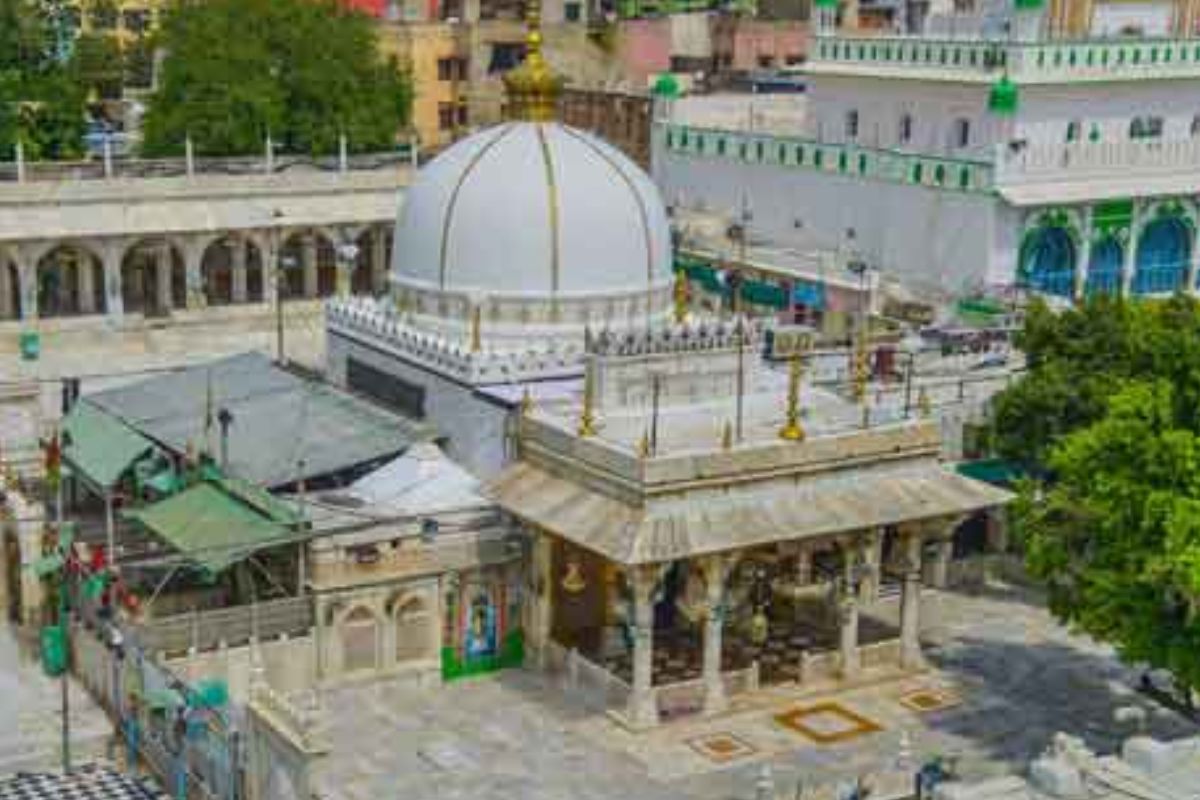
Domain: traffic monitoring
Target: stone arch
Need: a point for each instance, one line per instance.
(1048, 260)
(70, 281)
(1164, 254)
(309, 262)
(153, 277)
(1104, 269)
(359, 633)
(229, 276)
(10, 289)
(415, 628)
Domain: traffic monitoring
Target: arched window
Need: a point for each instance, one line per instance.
(852, 124)
(360, 635)
(1073, 130)
(414, 631)
(1048, 261)
(906, 128)
(962, 132)
(1164, 252)
(1104, 270)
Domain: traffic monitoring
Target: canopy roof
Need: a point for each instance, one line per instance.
(99, 447)
(687, 524)
(422, 481)
(280, 420)
(216, 523)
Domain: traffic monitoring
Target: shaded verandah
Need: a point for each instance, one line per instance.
(606, 578)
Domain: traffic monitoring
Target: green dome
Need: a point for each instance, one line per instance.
(825, 3)
(1004, 97)
(666, 86)
(1028, 5)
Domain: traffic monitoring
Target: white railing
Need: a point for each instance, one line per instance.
(205, 630)
(1031, 62)
(880, 654)
(1080, 160)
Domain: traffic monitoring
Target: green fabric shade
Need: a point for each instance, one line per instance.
(667, 86)
(99, 447)
(765, 294)
(217, 523)
(995, 471)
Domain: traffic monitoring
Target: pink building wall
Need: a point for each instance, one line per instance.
(779, 40)
(644, 49)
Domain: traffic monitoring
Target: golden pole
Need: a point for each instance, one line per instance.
(587, 418)
(681, 296)
(792, 430)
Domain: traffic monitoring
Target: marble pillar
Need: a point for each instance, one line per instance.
(8, 309)
(997, 530)
(27, 280)
(910, 603)
(114, 297)
(85, 283)
(1131, 246)
(872, 559)
(237, 271)
(193, 260)
(379, 265)
(308, 264)
(164, 274)
(643, 705)
(716, 572)
(804, 565)
(851, 660)
(541, 592)
(1079, 287)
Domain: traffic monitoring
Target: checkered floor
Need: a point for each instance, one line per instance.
(88, 782)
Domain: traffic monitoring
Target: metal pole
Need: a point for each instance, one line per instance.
(110, 529)
(278, 309)
(655, 387)
(741, 377)
(64, 621)
(908, 377)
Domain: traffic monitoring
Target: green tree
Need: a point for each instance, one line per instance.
(304, 71)
(40, 104)
(1108, 417)
(97, 66)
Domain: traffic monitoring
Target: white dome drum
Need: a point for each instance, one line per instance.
(535, 224)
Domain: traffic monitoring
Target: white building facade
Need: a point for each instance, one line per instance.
(969, 162)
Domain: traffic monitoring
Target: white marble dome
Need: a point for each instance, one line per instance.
(534, 213)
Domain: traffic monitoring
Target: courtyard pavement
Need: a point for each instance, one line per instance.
(30, 718)
(1003, 679)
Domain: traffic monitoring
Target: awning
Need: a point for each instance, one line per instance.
(996, 471)
(100, 447)
(697, 523)
(217, 523)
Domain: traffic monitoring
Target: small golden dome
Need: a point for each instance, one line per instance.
(533, 88)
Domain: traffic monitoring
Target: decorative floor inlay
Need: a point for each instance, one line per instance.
(925, 700)
(827, 723)
(722, 747)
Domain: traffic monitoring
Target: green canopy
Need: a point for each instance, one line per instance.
(996, 471)
(164, 700)
(99, 447)
(217, 523)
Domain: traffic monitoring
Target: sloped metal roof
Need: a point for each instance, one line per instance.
(695, 523)
(100, 447)
(280, 419)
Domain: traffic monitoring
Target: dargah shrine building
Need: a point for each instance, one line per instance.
(695, 521)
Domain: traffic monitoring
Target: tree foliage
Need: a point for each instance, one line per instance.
(41, 100)
(1109, 415)
(304, 71)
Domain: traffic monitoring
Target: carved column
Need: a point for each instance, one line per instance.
(643, 706)
(193, 259)
(1130, 264)
(542, 611)
(1085, 257)
(803, 565)
(237, 271)
(872, 557)
(164, 277)
(114, 297)
(308, 264)
(716, 572)
(379, 265)
(910, 603)
(85, 282)
(7, 307)
(848, 619)
(27, 280)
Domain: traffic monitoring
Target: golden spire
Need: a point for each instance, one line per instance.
(476, 325)
(526, 403)
(792, 430)
(532, 87)
(681, 296)
(643, 446)
(587, 418)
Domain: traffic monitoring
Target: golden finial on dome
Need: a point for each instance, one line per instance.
(533, 87)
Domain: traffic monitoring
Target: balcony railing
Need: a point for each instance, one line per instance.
(870, 163)
(1030, 62)
(1082, 160)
